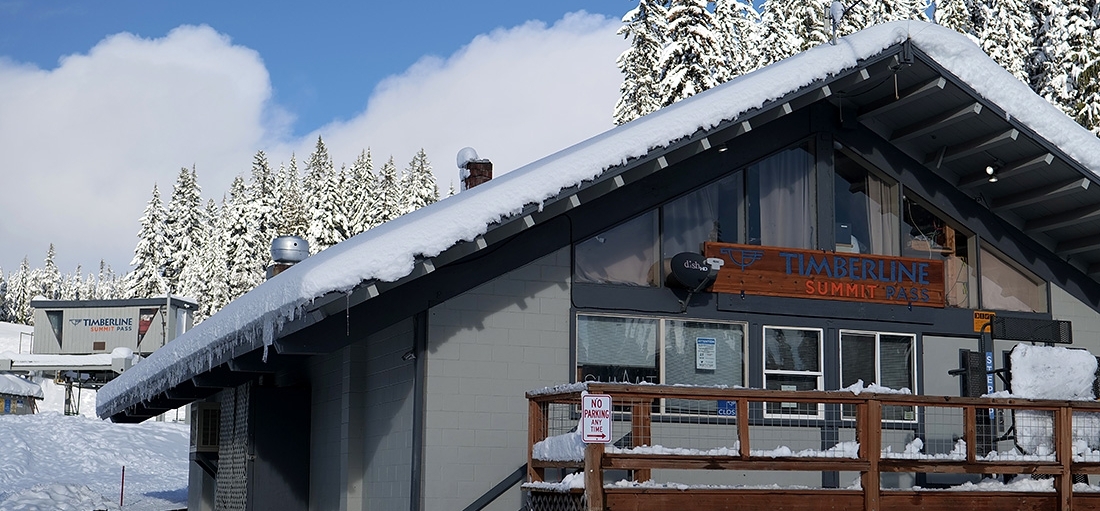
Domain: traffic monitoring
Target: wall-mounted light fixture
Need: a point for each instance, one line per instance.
(991, 171)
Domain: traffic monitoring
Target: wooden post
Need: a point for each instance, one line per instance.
(641, 433)
(743, 426)
(871, 439)
(537, 429)
(593, 476)
(1063, 447)
(970, 433)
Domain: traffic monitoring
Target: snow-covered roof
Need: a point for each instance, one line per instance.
(117, 360)
(13, 385)
(392, 251)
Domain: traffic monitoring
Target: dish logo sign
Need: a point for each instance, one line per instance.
(596, 418)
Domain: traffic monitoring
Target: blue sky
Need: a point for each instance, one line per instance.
(99, 101)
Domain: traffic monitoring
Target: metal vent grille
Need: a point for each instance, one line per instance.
(1033, 330)
(556, 501)
(974, 380)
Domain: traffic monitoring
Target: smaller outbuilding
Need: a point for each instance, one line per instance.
(18, 395)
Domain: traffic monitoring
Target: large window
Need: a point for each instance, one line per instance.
(1006, 286)
(883, 358)
(928, 236)
(657, 350)
(792, 361)
(865, 209)
(625, 254)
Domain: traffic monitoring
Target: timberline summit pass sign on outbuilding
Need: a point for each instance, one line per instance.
(798, 273)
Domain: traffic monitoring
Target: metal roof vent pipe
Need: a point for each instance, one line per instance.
(473, 171)
(286, 251)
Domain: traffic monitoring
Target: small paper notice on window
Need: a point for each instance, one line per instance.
(706, 357)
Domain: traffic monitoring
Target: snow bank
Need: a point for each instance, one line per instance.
(1044, 372)
(51, 461)
(567, 447)
(390, 251)
(857, 388)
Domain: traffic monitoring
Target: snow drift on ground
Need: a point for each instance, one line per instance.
(390, 251)
(54, 462)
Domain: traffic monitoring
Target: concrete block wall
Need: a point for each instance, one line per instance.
(1086, 321)
(388, 419)
(486, 348)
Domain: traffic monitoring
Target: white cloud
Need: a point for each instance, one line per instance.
(514, 95)
(84, 143)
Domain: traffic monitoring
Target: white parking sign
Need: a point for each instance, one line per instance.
(596, 418)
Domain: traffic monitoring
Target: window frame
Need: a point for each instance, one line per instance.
(878, 364)
(819, 374)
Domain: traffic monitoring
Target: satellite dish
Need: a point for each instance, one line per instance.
(689, 270)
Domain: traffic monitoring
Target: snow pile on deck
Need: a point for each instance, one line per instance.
(566, 447)
(857, 387)
(569, 482)
(390, 251)
(1042, 372)
(15, 386)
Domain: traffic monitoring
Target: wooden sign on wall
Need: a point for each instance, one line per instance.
(798, 273)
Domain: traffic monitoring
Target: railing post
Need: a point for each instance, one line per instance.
(743, 426)
(640, 433)
(537, 429)
(593, 476)
(1063, 446)
(870, 441)
(970, 433)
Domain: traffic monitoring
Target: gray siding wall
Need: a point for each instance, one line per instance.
(361, 440)
(486, 348)
(1086, 321)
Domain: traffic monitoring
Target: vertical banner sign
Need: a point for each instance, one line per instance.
(596, 418)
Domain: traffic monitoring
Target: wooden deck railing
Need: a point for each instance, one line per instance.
(643, 406)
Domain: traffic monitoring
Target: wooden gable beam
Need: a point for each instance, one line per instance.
(926, 126)
(1077, 246)
(951, 153)
(1045, 193)
(903, 98)
(1072, 217)
(1011, 169)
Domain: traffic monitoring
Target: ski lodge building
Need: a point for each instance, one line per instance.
(882, 208)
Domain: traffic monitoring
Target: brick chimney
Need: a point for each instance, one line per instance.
(472, 170)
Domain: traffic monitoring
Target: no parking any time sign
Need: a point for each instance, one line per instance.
(596, 418)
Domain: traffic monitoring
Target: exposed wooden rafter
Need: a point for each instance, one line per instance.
(903, 98)
(1072, 217)
(926, 126)
(1010, 169)
(964, 149)
(1042, 194)
(1079, 245)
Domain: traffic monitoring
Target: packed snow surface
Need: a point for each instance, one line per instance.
(389, 252)
(55, 462)
(13, 385)
(1047, 372)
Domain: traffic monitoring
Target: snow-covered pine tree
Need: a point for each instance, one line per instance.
(778, 21)
(291, 202)
(359, 192)
(1088, 103)
(345, 207)
(213, 293)
(956, 15)
(641, 93)
(1067, 46)
(387, 205)
(738, 26)
(420, 189)
(146, 279)
(4, 298)
(20, 292)
(72, 286)
(451, 191)
(48, 280)
(692, 61)
(245, 252)
(1006, 35)
(263, 200)
(321, 198)
(183, 227)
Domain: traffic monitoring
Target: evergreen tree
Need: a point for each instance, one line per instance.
(360, 189)
(245, 253)
(956, 15)
(48, 281)
(1068, 46)
(738, 25)
(4, 314)
(263, 200)
(420, 188)
(1088, 105)
(1007, 33)
(321, 200)
(183, 228)
(150, 256)
(778, 19)
(72, 286)
(387, 205)
(20, 292)
(692, 62)
(641, 91)
(213, 292)
(292, 207)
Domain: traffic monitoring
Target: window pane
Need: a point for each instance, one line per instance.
(1006, 288)
(688, 357)
(788, 349)
(791, 382)
(866, 209)
(780, 200)
(616, 349)
(857, 358)
(707, 214)
(928, 236)
(896, 352)
(625, 254)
